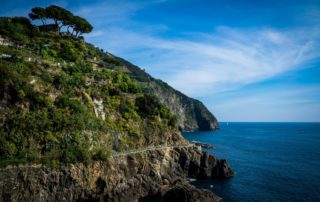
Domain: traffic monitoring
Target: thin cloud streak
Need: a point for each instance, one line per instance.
(227, 60)
(300, 103)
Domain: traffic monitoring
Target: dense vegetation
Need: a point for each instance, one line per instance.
(62, 100)
(18, 29)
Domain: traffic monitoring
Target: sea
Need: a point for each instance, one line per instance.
(271, 161)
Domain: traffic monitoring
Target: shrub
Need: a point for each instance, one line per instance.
(68, 52)
(148, 105)
(68, 103)
(80, 68)
(102, 154)
(17, 29)
(7, 148)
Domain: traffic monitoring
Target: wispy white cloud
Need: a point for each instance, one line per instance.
(226, 59)
(95, 34)
(284, 103)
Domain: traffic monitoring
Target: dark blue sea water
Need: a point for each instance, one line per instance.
(271, 161)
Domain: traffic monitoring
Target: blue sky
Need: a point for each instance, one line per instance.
(246, 60)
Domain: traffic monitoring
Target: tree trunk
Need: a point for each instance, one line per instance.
(56, 23)
(43, 20)
(72, 32)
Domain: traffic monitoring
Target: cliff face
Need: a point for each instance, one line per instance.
(155, 174)
(191, 113)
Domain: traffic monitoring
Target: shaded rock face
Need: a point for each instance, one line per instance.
(206, 166)
(181, 192)
(191, 113)
(160, 174)
(211, 167)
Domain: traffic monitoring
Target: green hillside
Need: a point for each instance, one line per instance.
(64, 100)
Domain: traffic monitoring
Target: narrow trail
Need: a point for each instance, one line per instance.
(150, 148)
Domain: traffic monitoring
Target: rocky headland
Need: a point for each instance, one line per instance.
(80, 124)
(159, 174)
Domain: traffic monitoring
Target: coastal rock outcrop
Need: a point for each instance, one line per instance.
(182, 191)
(161, 174)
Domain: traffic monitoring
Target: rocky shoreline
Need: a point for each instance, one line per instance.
(160, 175)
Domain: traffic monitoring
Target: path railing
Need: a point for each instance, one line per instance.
(150, 148)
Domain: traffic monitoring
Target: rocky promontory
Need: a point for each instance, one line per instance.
(158, 174)
(79, 124)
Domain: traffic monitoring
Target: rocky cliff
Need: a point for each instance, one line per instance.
(153, 175)
(191, 113)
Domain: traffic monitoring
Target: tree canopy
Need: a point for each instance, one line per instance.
(38, 14)
(61, 18)
(81, 25)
